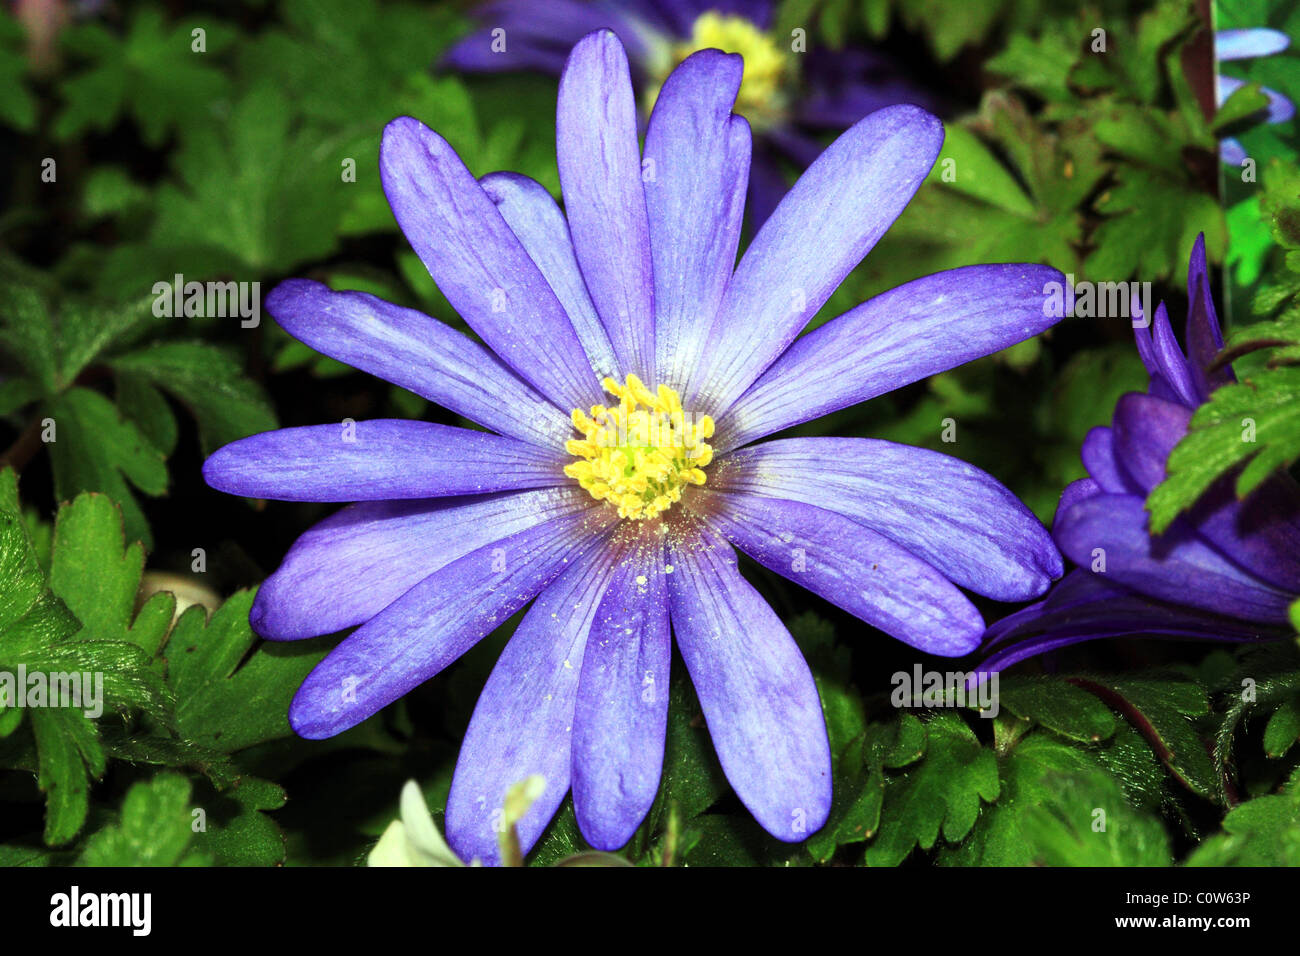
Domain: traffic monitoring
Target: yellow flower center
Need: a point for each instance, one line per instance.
(762, 90)
(641, 453)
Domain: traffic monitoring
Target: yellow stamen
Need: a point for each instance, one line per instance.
(641, 453)
(762, 89)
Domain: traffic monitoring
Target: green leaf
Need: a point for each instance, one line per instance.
(692, 778)
(226, 405)
(1057, 705)
(860, 782)
(154, 828)
(941, 793)
(831, 664)
(1241, 105)
(27, 334)
(1043, 63)
(1152, 220)
(154, 73)
(96, 449)
(99, 581)
(254, 193)
(1162, 711)
(966, 165)
(18, 105)
(1058, 806)
(39, 633)
(1255, 424)
(1261, 832)
(1283, 728)
(224, 701)
(110, 191)
(148, 409)
(238, 831)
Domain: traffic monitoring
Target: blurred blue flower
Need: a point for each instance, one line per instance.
(789, 99)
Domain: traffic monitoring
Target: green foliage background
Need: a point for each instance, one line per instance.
(227, 165)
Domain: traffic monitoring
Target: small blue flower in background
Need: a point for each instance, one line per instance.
(1246, 45)
(788, 98)
(1227, 570)
(619, 514)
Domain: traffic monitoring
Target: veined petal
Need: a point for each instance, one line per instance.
(830, 219)
(901, 336)
(536, 220)
(410, 349)
(947, 512)
(757, 693)
(523, 720)
(851, 566)
(700, 157)
(377, 459)
(600, 175)
(1178, 567)
(437, 621)
(622, 710)
(479, 264)
(346, 569)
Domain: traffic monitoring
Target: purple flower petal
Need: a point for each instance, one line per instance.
(1146, 429)
(833, 216)
(1098, 455)
(536, 220)
(947, 512)
(382, 458)
(346, 569)
(1076, 491)
(600, 175)
(1086, 607)
(523, 719)
(1247, 43)
(1165, 363)
(1178, 567)
(695, 200)
(899, 337)
(1204, 337)
(622, 710)
(479, 265)
(410, 349)
(1262, 533)
(851, 566)
(437, 621)
(757, 693)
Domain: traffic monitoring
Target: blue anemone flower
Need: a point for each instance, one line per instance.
(1245, 45)
(1227, 570)
(789, 99)
(619, 514)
